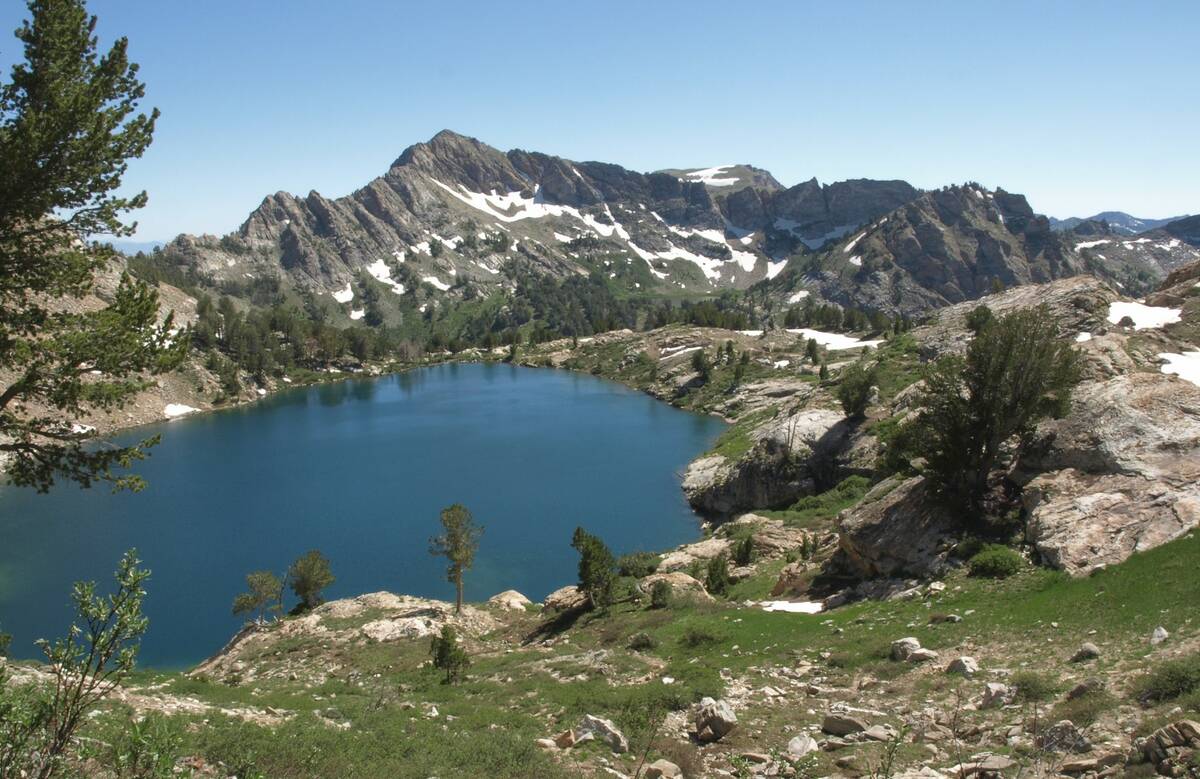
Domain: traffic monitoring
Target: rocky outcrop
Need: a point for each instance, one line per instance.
(1120, 474)
(682, 586)
(897, 529)
(789, 458)
(569, 598)
(510, 599)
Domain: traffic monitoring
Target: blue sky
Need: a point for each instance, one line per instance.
(1083, 106)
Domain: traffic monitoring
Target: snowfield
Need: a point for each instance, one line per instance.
(1186, 366)
(1144, 317)
(343, 295)
(383, 274)
(799, 607)
(711, 176)
(834, 341)
(173, 410)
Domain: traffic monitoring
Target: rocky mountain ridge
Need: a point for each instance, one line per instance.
(454, 218)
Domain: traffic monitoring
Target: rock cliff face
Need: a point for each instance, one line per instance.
(788, 460)
(1119, 475)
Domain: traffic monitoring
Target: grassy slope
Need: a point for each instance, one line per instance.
(488, 725)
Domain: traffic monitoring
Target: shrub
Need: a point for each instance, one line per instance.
(448, 655)
(637, 564)
(979, 318)
(854, 389)
(642, 642)
(5, 643)
(743, 551)
(1085, 709)
(995, 562)
(660, 594)
(697, 637)
(1032, 687)
(716, 579)
(1171, 679)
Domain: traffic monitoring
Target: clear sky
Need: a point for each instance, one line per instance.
(1082, 106)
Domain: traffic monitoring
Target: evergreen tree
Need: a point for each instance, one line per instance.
(597, 568)
(307, 577)
(716, 579)
(854, 389)
(67, 132)
(812, 350)
(448, 655)
(458, 545)
(1016, 372)
(264, 593)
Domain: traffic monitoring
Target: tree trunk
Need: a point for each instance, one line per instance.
(458, 592)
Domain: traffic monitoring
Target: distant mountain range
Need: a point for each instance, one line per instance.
(454, 220)
(1119, 221)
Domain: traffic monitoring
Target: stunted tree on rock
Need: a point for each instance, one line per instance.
(1015, 373)
(307, 577)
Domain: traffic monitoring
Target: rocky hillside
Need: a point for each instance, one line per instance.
(943, 247)
(1139, 261)
(1119, 222)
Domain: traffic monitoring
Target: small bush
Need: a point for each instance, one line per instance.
(697, 637)
(1085, 709)
(660, 594)
(995, 562)
(854, 389)
(1171, 679)
(716, 578)
(1033, 687)
(979, 318)
(637, 564)
(743, 551)
(642, 642)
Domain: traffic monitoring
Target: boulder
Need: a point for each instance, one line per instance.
(902, 648)
(1063, 736)
(1087, 651)
(683, 557)
(802, 745)
(602, 730)
(567, 598)
(714, 719)
(1159, 635)
(1120, 474)
(880, 733)
(922, 655)
(510, 599)
(1086, 687)
(995, 694)
(897, 529)
(663, 769)
(967, 666)
(839, 724)
(682, 585)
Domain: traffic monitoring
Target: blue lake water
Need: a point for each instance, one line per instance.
(359, 469)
